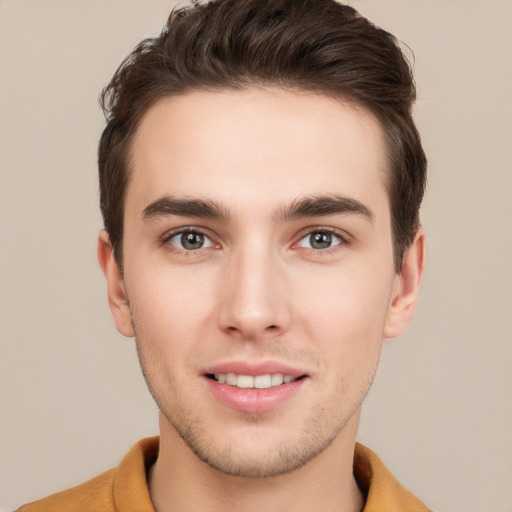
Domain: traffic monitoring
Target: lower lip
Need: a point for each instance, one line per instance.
(254, 400)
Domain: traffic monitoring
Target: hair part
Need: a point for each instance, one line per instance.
(319, 46)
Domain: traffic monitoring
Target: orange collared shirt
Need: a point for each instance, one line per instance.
(124, 489)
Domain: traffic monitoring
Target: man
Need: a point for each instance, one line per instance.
(260, 179)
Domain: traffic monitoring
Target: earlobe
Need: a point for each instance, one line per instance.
(406, 288)
(117, 299)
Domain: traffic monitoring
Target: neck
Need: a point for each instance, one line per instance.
(179, 480)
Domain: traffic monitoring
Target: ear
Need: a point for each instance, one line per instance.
(117, 298)
(406, 288)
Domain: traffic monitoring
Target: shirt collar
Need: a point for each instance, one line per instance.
(382, 491)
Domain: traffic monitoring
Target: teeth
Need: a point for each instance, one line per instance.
(277, 379)
(263, 381)
(258, 382)
(231, 379)
(244, 381)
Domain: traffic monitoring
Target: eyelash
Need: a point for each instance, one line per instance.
(166, 240)
(344, 240)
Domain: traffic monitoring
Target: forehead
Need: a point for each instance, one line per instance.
(254, 145)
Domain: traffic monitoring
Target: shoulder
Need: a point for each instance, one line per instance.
(122, 488)
(93, 495)
(383, 492)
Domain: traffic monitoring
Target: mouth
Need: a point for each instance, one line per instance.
(253, 382)
(254, 388)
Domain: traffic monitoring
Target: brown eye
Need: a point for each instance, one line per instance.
(320, 240)
(190, 241)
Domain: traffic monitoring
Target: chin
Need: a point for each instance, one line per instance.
(255, 452)
(262, 463)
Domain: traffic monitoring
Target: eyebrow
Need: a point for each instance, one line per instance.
(323, 206)
(310, 206)
(185, 208)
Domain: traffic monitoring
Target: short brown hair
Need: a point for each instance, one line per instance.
(313, 45)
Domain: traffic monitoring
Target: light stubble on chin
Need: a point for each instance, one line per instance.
(269, 462)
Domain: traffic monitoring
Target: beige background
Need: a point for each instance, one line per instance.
(72, 400)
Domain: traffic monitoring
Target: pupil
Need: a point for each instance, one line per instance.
(321, 240)
(192, 240)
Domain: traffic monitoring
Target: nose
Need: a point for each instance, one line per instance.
(254, 296)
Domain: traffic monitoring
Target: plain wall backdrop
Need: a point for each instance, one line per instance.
(72, 400)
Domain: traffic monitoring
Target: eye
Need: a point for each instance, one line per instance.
(190, 240)
(321, 239)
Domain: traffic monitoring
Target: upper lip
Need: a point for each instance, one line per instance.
(253, 369)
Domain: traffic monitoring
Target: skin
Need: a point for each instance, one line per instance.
(259, 289)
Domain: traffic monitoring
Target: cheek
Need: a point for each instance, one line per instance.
(345, 303)
(345, 316)
(170, 306)
(169, 318)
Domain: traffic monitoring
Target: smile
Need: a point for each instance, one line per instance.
(256, 393)
(248, 381)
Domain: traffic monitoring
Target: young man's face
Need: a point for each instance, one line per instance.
(257, 251)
